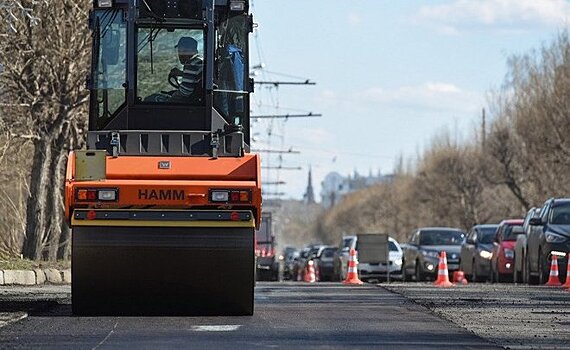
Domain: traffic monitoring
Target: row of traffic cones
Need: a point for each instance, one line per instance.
(442, 272)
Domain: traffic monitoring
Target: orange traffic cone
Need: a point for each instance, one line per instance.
(567, 283)
(459, 277)
(352, 275)
(442, 272)
(310, 272)
(553, 279)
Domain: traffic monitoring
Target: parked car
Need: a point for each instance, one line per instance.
(341, 256)
(476, 252)
(549, 235)
(378, 271)
(503, 250)
(289, 255)
(308, 253)
(324, 262)
(297, 270)
(421, 253)
(519, 271)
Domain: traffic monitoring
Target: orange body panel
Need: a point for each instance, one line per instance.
(185, 185)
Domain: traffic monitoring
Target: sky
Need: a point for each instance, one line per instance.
(390, 76)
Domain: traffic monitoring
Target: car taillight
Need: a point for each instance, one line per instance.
(95, 194)
(230, 196)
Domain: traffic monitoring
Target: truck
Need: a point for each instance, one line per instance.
(267, 264)
(164, 201)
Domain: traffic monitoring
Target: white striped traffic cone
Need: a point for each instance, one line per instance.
(352, 275)
(310, 273)
(443, 272)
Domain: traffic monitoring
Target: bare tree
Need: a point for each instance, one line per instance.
(46, 62)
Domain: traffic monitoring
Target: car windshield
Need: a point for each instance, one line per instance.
(347, 243)
(508, 234)
(436, 237)
(560, 214)
(393, 247)
(486, 235)
(328, 253)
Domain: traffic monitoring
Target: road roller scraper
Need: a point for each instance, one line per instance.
(164, 200)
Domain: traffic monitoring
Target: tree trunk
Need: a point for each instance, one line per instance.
(41, 184)
(57, 201)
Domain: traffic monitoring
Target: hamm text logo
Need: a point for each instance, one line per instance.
(162, 195)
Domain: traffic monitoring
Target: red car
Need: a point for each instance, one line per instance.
(502, 261)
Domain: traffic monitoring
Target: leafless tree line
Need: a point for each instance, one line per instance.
(42, 116)
(518, 161)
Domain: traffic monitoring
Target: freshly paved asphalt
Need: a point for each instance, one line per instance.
(287, 315)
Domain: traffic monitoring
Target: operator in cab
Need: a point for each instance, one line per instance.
(190, 85)
(188, 81)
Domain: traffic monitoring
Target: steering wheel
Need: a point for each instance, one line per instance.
(173, 77)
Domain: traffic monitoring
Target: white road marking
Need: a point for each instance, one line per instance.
(216, 328)
(10, 317)
(107, 337)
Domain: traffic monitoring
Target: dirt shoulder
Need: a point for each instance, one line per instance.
(513, 316)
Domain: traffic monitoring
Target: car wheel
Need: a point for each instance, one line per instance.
(419, 275)
(542, 277)
(524, 271)
(532, 280)
(492, 274)
(474, 274)
(405, 276)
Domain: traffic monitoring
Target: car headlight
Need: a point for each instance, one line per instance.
(430, 253)
(509, 253)
(554, 238)
(398, 262)
(485, 254)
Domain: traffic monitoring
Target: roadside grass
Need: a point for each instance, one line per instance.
(14, 263)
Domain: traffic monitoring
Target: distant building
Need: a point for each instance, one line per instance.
(336, 186)
(309, 196)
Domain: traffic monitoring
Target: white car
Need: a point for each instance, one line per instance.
(371, 271)
(379, 271)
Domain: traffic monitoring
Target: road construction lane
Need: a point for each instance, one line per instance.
(287, 315)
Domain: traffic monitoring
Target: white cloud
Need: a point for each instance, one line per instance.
(354, 19)
(431, 95)
(519, 15)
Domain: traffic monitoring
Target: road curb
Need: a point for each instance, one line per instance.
(34, 277)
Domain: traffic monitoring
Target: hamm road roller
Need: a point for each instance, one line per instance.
(164, 200)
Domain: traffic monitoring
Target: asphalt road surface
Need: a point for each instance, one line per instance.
(287, 315)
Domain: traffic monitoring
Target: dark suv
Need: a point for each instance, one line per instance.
(549, 235)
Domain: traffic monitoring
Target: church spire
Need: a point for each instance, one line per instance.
(309, 195)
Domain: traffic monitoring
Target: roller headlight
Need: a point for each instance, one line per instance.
(398, 262)
(509, 253)
(485, 254)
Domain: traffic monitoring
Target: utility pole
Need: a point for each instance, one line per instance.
(483, 129)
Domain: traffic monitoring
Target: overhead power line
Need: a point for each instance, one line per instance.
(273, 183)
(286, 116)
(277, 83)
(282, 167)
(290, 151)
